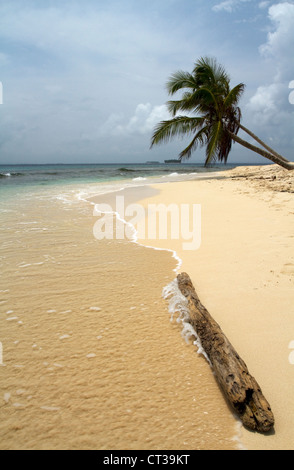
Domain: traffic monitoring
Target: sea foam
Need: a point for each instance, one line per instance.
(178, 305)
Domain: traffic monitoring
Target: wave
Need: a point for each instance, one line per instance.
(129, 170)
(8, 175)
(178, 305)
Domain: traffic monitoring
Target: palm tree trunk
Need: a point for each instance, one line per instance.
(273, 152)
(282, 162)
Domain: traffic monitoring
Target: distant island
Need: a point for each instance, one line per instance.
(172, 161)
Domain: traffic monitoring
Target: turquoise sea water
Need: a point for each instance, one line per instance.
(12, 176)
(71, 183)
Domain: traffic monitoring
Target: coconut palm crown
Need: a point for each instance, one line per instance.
(213, 116)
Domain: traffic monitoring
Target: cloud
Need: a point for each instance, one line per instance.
(263, 5)
(74, 74)
(291, 94)
(267, 101)
(107, 32)
(280, 41)
(269, 108)
(228, 5)
(278, 49)
(142, 121)
(3, 59)
(85, 80)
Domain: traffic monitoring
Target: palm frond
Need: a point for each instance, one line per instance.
(204, 99)
(198, 140)
(206, 93)
(185, 104)
(234, 95)
(179, 126)
(180, 80)
(224, 147)
(196, 102)
(231, 119)
(209, 72)
(214, 138)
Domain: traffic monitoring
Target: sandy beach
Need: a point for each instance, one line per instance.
(146, 227)
(243, 273)
(90, 358)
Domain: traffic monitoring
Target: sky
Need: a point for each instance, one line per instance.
(85, 81)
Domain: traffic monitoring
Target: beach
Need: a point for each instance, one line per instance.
(91, 358)
(146, 228)
(243, 273)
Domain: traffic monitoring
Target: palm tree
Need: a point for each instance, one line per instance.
(207, 93)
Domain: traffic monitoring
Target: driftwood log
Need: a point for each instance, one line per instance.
(240, 388)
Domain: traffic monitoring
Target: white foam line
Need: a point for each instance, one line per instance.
(135, 232)
(144, 182)
(107, 191)
(135, 239)
(135, 236)
(81, 198)
(179, 304)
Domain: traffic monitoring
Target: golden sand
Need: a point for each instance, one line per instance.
(90, 357)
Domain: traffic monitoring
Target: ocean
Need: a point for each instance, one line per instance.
(64, 174)
(90, 357)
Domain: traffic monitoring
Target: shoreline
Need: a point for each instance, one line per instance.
(90, 357)
(271, 186)
(243, 273)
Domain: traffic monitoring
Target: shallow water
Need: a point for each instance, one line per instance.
(91, 359)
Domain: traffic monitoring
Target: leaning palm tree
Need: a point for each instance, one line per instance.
(213, 117)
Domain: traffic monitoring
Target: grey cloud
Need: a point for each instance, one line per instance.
(269, 108)
(86, 80)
